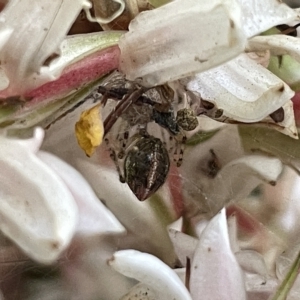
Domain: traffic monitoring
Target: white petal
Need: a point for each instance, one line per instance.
(238, 178)
(4, 81)
(232, 232)
(278, 44)
(38, 29)
(258, 288)
(215, 272)
(5, 34)
(258, 16)
(37, 210)
(86, 271)
(75, 47)
(283, 264)
(98, 6)
(184, 245)
(140, 292)
(181, 38)
(288, 124)
(234, 181)
(252, 262)
(177, 225)
(264, 167)
(149, 270)
(33, 144)
(181, 273)
(242, 88)
(94, 217)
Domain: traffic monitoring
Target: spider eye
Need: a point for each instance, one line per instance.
(146, 167)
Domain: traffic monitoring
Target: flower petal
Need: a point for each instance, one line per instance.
(39, 27)
(243, 89)
(33, 144)
(272, 142)
(278, 44)
(232, 233)
(170, 42)
(37, 210)
(94, 217)
(258, 16)
(252, 262)
(289, 123)
(258, 288)
(215, 272)
(76, 47)
(97, 7)
(184, 245)
(245, 172)
(55, 98)
(140, 292)
(151, 271)
(232, 178)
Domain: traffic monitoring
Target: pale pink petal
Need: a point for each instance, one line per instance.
(215, 271)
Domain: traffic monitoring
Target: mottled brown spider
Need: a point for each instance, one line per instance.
(142, 160)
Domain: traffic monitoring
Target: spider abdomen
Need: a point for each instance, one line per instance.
(146, 166)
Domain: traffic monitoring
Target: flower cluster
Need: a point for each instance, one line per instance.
(224, 225)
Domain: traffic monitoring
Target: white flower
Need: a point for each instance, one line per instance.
(231, 178)
(245, 91)
(32, 33)
(152, 272)
(43, 23)
(160, 47)
(44, 201)
(47, 207)
(186, 37)
(214, 271)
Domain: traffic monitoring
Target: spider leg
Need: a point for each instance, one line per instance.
(182, 147)
(179, 150)
(122, 107)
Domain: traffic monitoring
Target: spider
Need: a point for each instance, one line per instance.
(141, 159)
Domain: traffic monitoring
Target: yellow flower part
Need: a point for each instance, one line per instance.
(89, 130)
